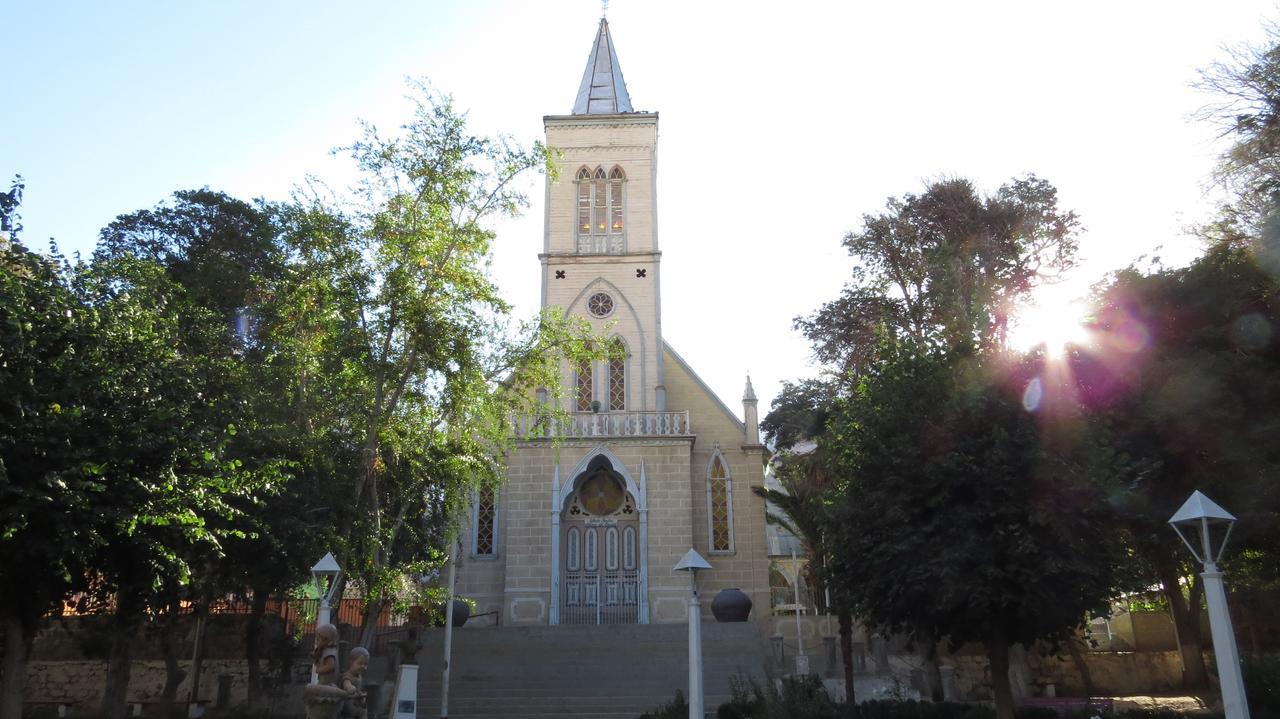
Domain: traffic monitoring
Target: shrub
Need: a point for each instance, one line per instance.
(677, 708)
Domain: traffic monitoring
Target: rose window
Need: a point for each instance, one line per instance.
(600, 305)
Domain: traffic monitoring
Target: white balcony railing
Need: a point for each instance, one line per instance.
(604, 424)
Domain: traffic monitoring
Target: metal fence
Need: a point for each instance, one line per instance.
(600, 598)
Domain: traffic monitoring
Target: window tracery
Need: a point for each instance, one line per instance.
(719, 506)
(601, 210)
(486, 523)
(618, 377)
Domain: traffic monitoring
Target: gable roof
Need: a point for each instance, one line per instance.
(710, 392)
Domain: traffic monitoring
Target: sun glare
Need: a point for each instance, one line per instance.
(1054, 322)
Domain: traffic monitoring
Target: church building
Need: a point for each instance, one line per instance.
(587, 529)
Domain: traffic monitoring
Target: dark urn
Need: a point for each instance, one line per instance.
(461, 613)
(731, 605)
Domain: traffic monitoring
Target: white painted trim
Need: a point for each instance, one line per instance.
(553, 612)
(642, 502)
(618, 466)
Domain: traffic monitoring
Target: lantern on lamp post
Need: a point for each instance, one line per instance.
(1204, 527)
(327, 575)
(692, 562)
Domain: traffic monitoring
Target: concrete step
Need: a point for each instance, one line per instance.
(581, 672)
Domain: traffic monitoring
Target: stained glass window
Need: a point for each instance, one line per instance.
(718, 506)
(486, 522)
(618, 378)
(582, 388)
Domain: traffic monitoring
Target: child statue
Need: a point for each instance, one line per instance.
(353, 683)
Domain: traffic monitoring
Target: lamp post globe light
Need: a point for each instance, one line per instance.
(326, 569)
(692, 562)
(1204, 527)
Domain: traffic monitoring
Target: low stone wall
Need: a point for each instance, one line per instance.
(80, 684)
(1113, 674)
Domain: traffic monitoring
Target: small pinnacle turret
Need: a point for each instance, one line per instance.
(750, 417)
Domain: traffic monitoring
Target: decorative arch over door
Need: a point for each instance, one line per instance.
(599, 536)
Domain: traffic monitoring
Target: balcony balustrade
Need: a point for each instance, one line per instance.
(581, 425)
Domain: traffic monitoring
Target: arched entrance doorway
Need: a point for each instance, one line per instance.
(600, 549)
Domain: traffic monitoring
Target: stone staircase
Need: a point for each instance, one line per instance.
(581, 672)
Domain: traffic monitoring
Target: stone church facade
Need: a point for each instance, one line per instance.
(652, 463)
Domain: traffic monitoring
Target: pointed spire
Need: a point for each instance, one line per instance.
(749, 394)
(602, 91)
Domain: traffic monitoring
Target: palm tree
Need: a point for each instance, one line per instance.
(802, 506)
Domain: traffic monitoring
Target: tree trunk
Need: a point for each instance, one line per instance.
(1187, 624)
(15, 665)
(370, 629)
(998, 656)
(197, 651)
(845, 620)
(120, 658)
(932, 674)
(173, 674)
(1077, 658)
(253, 647)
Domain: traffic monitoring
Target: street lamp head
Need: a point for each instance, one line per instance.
(1208, 525)
(326, 569)
(691, 562)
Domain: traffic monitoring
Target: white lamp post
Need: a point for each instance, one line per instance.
(1205, 521)
(692, 562)
(326, 569)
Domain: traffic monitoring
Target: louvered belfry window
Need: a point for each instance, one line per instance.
(584, 202)
(601, 210)
(615, 200)
(718, 496)
(486, 522)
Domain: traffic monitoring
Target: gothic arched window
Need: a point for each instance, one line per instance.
(618, 376)
(583, 382)
(719, 505)
(601, 210)
(584, 201)
(615, 200)
(485, 524)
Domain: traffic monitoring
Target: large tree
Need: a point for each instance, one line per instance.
(938, 275)
(965, 515)
(401, 353)
(46, 503)
(1185, 374)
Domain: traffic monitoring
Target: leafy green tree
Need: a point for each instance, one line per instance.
(220, 256)
(1185, 373)
(403, 362)
(962, 519)
(944, 268)
(937, 277)
(47, 523)
(795, 428)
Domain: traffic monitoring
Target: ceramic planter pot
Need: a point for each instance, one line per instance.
(731, 605)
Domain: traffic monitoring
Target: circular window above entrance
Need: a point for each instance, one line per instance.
(601, 495)
(600, 304)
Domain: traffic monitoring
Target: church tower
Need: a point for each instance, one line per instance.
(600, 257)
(647, 462)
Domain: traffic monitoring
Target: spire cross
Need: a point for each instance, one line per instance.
(604, 8)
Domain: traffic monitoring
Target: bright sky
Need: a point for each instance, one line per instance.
(781, 123)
